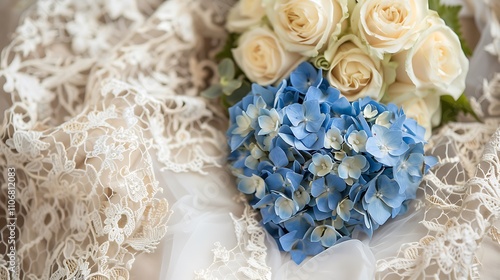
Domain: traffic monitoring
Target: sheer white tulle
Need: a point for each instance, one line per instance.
(104, 124)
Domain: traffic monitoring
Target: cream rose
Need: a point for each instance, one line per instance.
(436, 61)
(389, 25)
(355, 72)
(244, 14)
(260, 55)
(304, 26)
(423, 106)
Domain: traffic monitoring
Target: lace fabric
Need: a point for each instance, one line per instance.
(187, 132)
(245, 261)
(47, 62)
(87, 111)
(83, 208)
(105, 125)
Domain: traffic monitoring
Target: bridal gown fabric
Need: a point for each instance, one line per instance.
(120, 164)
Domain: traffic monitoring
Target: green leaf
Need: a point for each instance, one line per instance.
(226, 68)
(451, 108)
(230, 86)
(212, 92)
(450, 16)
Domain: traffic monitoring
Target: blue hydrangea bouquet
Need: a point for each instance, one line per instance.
(319, 167)
(332, 102)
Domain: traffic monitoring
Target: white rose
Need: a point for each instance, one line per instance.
(262, 58)
(355, 72)
(389, 25)
(304, 26)
(436, 61)
(244, 14)
(424, 107)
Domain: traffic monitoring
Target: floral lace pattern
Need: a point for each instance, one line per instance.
(47, 63)
(94, 95)
(85, 192)
(187, 131)
(245, 261)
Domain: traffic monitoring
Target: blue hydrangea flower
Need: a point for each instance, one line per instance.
(319, 168)
(291, 152)
(326, 234)
(255, 156)
(357, 190)
(360, 105)
(370, 111)
(333, 138)
(253, 110)
(305, 118)
(243, 118)
(277, 182)
(253, 184)
(269, 122)
(382, 196)
(344, 209)
(412, 130)
(357, 140)
(330, 96)
(301, 224)
(306, 131)
(301, 197)
(386, 145)
(278, 157)
(362, 221)
(285, 96)
(320, 215)
(375, 166)
(243, 125)
(276, 231)
(352, 167)
(321, 165)
(327, 192)
(267, 210)
(408, 172)
(384, 119)
(298, 247)
(305, 77)
(285, 207)
(267, 94)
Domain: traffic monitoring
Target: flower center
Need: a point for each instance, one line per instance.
(393, 14)
(383, 149)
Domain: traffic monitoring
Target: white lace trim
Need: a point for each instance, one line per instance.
(247, 260)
